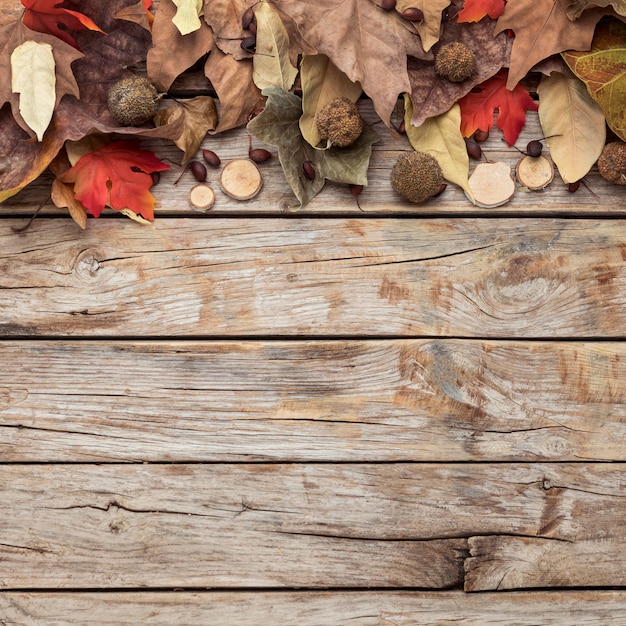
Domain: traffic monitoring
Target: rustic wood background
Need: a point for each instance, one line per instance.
(255, 415)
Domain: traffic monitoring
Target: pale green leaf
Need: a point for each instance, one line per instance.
(322, 82)
(441, 137)
(573, 124)
(271, 63)
(33, 77)
(187, 18)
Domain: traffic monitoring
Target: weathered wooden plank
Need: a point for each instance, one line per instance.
(347, 525)
(231, 276)
(523, 563)
(387, 400)
(378, 197)
(367, 608)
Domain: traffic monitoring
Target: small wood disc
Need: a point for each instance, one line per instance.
(241, 179)
(492, 184)
(201, 197)
(535, 172)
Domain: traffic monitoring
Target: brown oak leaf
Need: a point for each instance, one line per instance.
(369, 45)
(542, 29)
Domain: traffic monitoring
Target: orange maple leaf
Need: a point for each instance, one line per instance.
(478, 106)
(46, 16)
(116, 175)
(475, 10)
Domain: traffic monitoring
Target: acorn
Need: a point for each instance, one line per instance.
(133, 101)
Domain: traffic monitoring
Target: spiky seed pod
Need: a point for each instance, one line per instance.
(612, 162)
(416, 176)
(339, 122)
(133, 101)
(455, 61)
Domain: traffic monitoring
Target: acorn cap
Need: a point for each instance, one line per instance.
(416, 176)
(132, 101)
(455, 61)
(339, 122)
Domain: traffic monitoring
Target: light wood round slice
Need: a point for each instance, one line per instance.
(535, 172)
(241, 179)
(492, 184)
(201, 197)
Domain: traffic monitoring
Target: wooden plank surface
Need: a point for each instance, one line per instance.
(376, 277)
(312, 525)
(387, 400)
(366, 608)
(595, 197)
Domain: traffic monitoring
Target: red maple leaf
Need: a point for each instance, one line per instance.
(116, 175)
(475, 10)
(478, 106)
(46, 16)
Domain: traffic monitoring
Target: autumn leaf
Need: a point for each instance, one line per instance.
(576, 7)
(278, 125)
(475, 10)
(117, 175)
(433, 95)
(139, 13)
(478, 106)
(199, 117)
(573, 124)
(429, 29)
(367, 44)
(187, 17)
(603, 70)
(62, 195)
(237, 94)
(46, 16)
(33, 77)
(171, 53)
(321, 82)
(542, 29)
(441, 138)
(224, 18)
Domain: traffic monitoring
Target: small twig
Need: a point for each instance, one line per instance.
(22, 229)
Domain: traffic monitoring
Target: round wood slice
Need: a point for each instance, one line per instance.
(535, 172)
(241, 179)
(201, 197)
(492, 184)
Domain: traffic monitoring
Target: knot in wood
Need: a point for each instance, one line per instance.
(87, 264)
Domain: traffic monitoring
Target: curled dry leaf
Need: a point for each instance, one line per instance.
(199, 116)
(429, 28)
(576, 7)
(573, 124)
(63, 197)
(321, 82)
(187, 17)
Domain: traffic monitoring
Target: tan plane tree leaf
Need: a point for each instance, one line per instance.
(573, 124)
(368, 44)
(224, 17)
(321, 82)
(576, 7)
(33, 78)
(441, 138)
(199, 115)
(187, 17)
(171, 53)
(62, 196)
(542, 29)
(237, 94)
(429, 28)
(603, 70)
(271, 64)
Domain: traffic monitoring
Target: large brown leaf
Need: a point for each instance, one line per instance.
(541, 29)
(173, 53)
(433, 95)
(369, 45)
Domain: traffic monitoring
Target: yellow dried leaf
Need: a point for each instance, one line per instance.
(321, 83)
(33, 77)
(187, 18)
(429, 28)
(441, 137)
(271, 64)
(572, 123)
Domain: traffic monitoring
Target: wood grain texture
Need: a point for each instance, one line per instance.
(387, 400)
(367, 608)
(369, 277)
(315, 526)
(599, 197)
